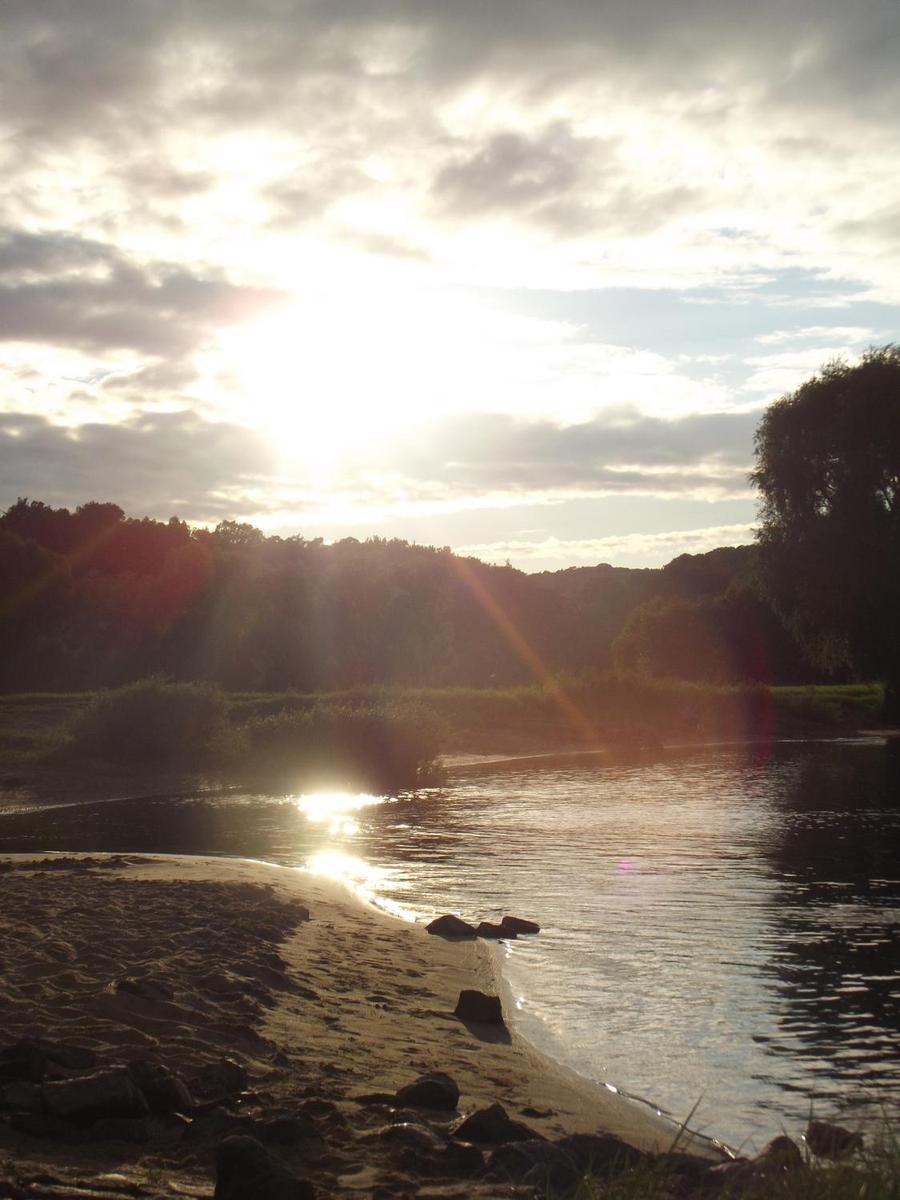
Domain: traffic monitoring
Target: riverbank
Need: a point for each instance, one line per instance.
(193, 961)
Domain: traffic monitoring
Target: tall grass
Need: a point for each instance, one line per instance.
(386, 747)
(148, 723)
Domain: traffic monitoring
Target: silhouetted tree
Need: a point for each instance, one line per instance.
(828, 467)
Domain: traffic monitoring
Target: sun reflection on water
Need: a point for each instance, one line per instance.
(363, 878)
(335, 809)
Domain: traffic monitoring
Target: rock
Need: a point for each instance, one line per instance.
(434, 1090)
(538, 1163)
(24, 1061)
(63, 1054)
(409, 1135)
(831, 1141)
(449, 926)
(147, 989)
(245, 1170)
(286, 1130)
(121, 1129)
(782, 1153)
(371, 1099)
(476, 1006)
(217, 1080)
(600, 1153)
(216, 1124)
(87, 1098)
(43, 1125)
(487, 930)
(493, 1125)
(20, 1096)
(164, 1091)
(780, 1158)
(519, 925)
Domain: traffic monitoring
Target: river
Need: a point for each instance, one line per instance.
(719, 926)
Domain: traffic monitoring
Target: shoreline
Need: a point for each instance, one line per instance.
(363, 1002)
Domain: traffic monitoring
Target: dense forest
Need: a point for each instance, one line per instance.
(94, 598)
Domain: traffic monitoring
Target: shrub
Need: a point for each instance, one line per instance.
(381, 748)
(150, 722)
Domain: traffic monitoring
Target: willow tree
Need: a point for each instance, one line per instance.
(828, 468)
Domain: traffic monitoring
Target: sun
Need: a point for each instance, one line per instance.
(333, 375)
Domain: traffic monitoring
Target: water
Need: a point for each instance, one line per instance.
(720, 928)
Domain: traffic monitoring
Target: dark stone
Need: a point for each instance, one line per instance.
(89, 1097)
(371, 1099)
(217, 1080)
(21, 1096)
(408, 1135)
(519, 925)
(462, 1158)
(73, 1058)
(449, 926)
(487, 930)
(476, 1006)
(43, 1125)
(599, 1153)
(434, 1090)
(286, 1130)
(121, 1129)
(831, 1141)
(495, 1126)
(23, 1061)
(245, 1170)
(541, 1164)
(216, 1124)
(783, 1153)
(147, 989)
(164, 1091)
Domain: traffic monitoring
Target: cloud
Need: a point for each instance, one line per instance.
(619, 451)
(155, 465)
(64, 290)
(650, 549)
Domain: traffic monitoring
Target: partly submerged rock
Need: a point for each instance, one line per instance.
(434, 1090)
(519, 925)
(449, 926)
(494, 1126)
(487, 929)
(245, 1169)
(473, 1005)
(831, 1141)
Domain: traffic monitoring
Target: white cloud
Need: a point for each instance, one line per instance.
(634, 549)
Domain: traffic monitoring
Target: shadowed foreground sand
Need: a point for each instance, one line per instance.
(188, 961)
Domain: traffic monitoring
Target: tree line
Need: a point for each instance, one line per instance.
(92, 597)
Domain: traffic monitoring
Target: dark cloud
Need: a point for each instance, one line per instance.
(164, 462)
(155, 465)
(83, 67)
(511, 171)
(59, 289)
(618, 451)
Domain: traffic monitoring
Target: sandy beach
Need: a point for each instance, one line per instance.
(324, 1005)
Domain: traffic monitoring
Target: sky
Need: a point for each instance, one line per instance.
(514, 276)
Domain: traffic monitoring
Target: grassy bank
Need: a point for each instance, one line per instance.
(574, 713)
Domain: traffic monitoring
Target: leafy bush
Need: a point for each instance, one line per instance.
(150, 722)
(382, 748)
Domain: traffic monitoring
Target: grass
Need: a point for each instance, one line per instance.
(872, 1173)
(583, 710)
